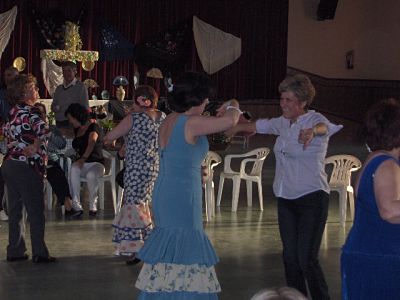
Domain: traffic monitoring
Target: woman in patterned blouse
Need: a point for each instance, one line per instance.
(24, 168)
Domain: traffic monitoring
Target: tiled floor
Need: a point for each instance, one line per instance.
(247, 243)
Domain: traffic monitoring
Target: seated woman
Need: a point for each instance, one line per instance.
(88, 145)
(55, 174)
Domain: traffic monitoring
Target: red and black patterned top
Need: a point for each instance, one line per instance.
(24, 126)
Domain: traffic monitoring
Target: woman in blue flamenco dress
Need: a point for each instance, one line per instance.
(178, 256)
(370, 261)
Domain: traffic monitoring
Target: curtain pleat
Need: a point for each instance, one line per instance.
(261, 25)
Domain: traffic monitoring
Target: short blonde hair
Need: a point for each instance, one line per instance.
(300, 85)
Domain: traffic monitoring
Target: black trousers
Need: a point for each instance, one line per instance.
(24, 189)
(58, 181)
(119, 179)
(301, 225)
(1, 190)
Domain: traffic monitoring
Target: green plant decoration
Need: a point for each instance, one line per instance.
(107, 125)
(51, 116)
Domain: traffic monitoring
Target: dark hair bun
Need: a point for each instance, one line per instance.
(190, 90)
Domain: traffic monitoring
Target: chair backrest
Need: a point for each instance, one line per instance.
(212, 160)
(343, 165)
(111, 157)
(260, 155)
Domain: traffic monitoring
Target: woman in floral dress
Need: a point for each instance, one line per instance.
(140, 128)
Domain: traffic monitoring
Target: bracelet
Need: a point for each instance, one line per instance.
(235, 108)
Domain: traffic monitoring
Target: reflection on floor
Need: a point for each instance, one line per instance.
(247, 243)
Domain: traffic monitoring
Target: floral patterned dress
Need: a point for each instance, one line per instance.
(133, 223)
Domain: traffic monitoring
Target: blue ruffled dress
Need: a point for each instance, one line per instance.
(370, 261)
(178, 256)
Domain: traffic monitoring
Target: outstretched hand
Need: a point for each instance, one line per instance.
(107, 142)
(305, 137)
(222, 109)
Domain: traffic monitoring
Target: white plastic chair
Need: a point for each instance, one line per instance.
(340, 181)
(259, 155)
(211, 161)
(242, 138)
(109, 176)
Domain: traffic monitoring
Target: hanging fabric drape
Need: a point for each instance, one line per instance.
(113, 45)
(261, 25)
(7, 23)
(168, 50)
(52, 75)
(216, 48)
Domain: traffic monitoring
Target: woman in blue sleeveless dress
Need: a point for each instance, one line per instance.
(178, 257)
(140, 129)
(370, 261)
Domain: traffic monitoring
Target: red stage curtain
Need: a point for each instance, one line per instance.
(261, 24)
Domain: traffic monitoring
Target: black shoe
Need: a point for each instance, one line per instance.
(92, 213)
(133, 261)
(73, 213)
(43, 259)
(17, 258)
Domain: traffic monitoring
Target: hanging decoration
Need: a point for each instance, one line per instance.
(73, 45)
(50, 26)
(168, 50)
(19, 63)
(136, 77)
(90, 83)
(62, 55)
(72, 38)
(216, 48)
(88, 65)
(113, 45)
(155, 73)
(7, 23)
(52, 75)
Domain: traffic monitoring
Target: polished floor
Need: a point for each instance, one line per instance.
(247, 243)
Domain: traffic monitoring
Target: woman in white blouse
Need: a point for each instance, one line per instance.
(300, 182)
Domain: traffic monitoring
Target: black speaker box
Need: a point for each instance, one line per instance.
(326, 9)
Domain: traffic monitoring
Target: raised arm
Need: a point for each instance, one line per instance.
(202, 125)
(242, 127)
(387, 191)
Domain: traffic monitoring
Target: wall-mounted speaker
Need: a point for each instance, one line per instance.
(326, 9)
